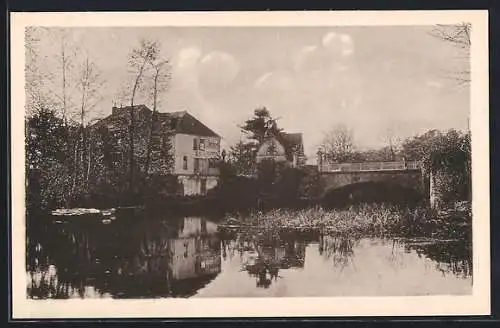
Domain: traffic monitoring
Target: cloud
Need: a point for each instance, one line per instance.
(277, 81)
(188, 57)
(218, 68)
(304, 56)
(330, 57)
(261, 81)
(340, 44)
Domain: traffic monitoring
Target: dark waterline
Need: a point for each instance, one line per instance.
(133, 257)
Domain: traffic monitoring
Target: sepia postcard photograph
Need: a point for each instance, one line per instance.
(249, 164)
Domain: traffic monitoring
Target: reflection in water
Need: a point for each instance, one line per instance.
(338, 248)
(122, 259)
(454, 257)
(187, 257)
(266, 254)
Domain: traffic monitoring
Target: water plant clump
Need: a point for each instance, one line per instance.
(364, 219)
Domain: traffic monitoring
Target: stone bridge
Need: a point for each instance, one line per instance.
(390, 179)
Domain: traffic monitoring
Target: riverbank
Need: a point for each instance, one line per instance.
(454, 222)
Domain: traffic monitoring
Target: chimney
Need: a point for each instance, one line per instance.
(114, 110)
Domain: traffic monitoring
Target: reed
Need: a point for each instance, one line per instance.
(365, 219)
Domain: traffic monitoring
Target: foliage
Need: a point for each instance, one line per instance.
(47, 159)
(233, 192)
(242, 157)
(363, 220)
(261, 125)
(310, 184)
(447, 156)
(278, 182)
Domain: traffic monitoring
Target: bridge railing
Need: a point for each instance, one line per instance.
(369, 166)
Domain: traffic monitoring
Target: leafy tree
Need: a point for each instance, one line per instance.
(261, 125)
(242, 158)
(310, 184)
(47, 162)
(447, 156)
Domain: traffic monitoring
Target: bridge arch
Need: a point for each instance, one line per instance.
(387, 181)
(371, 192)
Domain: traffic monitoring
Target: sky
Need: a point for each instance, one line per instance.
(376, 80)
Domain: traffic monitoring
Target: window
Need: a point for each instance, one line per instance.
(202, 144)
(196, 165)
(195, 144)
(185, 163)
(213, 144)
(186, 247)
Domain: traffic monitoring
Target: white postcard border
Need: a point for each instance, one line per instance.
(476, 304)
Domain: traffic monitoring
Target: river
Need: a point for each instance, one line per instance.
(187, 257)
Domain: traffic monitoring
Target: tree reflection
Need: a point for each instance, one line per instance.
(264, 254)
(123, 259)
(339, 248)
(451, 257)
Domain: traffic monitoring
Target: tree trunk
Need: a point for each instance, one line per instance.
(151, 127)
(89, 163)
(131, 146)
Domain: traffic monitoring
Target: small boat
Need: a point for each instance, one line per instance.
(108, 212)
(75, 211)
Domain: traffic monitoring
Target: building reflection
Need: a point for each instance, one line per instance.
(124, 259)
(263, 256)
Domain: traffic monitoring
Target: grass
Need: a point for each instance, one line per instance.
(364, 219)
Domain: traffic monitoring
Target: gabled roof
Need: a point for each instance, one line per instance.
(179, 122)
(185, 123)
(292, 143)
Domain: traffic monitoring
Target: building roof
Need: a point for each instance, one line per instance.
(292, 140)
(185, 123)
(179, 122)
(292, 144)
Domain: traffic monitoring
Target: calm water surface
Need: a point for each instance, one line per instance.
(186, 257)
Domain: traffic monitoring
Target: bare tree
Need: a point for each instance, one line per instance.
(37, 97)
(459, 36)
(65, 62)
(159, 79)
(392, 144)
(32, 76)
(138, 61)
(89, 85)
(338, 144)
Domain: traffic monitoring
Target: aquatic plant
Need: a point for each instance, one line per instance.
(364, 219)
